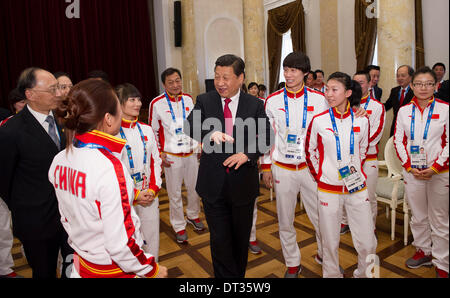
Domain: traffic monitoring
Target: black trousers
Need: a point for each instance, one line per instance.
(230, 228)
(42, 255)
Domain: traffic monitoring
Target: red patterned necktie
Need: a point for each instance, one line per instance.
(228, 118)
(402, 97)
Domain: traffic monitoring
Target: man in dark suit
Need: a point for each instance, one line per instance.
(235, 132)
(28, 143)
(443, 93)
(400, 95)
(4, 113)
(374, 72)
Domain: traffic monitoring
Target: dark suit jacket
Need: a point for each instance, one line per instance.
(212, 173)
(443, 92)
(26, 153)
(4, 113)
(378, 92)
(394, 103)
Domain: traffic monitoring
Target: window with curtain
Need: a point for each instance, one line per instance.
(286, 49)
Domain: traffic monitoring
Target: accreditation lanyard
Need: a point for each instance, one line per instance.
(128, 148)
(171, 108)
(305, 108)
(367, 103)
(427, 126)
(80, 144)
(336, 135)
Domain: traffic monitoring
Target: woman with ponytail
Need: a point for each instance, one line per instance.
(94, 190)
(336, 147)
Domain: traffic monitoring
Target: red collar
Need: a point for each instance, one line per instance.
(101, 138)
(415, 101)
(172, 98)
(128, 123)
(337, 114)
(364, 99)
(298, 94)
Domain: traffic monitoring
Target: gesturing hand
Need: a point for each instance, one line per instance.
(219, 137)
(237, 159)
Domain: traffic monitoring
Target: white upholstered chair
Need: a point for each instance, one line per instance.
(391, 189)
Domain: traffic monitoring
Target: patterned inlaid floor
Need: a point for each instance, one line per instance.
(193, 260)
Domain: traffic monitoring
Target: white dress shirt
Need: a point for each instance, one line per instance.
(41, 119)
(233, 105)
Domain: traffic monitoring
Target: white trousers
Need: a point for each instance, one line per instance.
(428, 201)
(287, 186)
(359, 215)
(371, 170)
(149, 217)
(182, 169)
(255, 215)
(6, 240)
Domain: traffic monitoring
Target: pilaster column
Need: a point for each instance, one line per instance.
(396, 47)
(254, 40)
(188, 52)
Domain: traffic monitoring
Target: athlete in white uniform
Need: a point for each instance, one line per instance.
(179, 155)
(94, 190)
(141, 157)
(290, 110)
(377, 117)
(336, 148)
(421, 141)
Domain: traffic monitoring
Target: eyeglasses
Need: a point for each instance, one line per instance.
(51, 90)
(424, 84)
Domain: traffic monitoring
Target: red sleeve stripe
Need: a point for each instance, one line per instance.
(150, 112)
(307, 154)
(380, 126)
(128, 222)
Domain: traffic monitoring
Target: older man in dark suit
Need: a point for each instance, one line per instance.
(400, 95)
(235, 132)
(28, 143)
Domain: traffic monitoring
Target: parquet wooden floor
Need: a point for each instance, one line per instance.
(193, 260)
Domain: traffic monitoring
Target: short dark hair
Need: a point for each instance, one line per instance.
(410, 69)
(319, 70)
(363, 73)
(98, 74)
(59, 74)
(252, 84)
(262, 87)
(298, 60)
(281, 85)
(439, 64)
(424, 70)
(310, 73)
(349, 84)
(13, 97)
(372, 67)
(27, 80)
(168, 72)
(234, 61)
(125, 91)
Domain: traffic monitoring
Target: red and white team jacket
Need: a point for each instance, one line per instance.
(150, 174)
(160, 119)
(95, 193)
(276, 112)
(377, 118)
(321, 152)
(436, 145)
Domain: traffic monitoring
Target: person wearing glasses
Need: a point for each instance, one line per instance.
(421, 142)
(64, 82)
(28, 143)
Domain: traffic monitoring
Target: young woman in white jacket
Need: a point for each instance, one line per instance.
(94, 190)
(336, 148)
(142, 159)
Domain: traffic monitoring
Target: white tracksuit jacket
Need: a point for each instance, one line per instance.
(95, 195)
